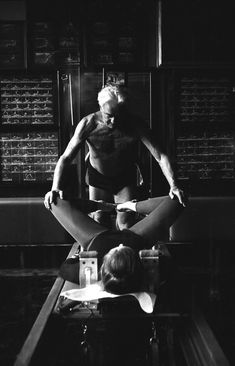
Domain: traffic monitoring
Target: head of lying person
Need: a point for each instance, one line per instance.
(122, 271)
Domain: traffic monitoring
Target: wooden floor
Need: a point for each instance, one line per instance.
(220, 314)
(22, 295)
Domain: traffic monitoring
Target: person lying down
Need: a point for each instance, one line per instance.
(120, 267)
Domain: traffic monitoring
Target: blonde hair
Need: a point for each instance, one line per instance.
(111, 92)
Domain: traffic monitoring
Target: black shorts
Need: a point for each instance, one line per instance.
(127, 177)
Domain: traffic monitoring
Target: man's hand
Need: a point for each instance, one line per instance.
(51, 197)
(179, 193)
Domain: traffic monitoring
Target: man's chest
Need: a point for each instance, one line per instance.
(108, 140)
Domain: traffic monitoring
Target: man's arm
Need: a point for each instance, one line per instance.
(65, 159)
(164, 164)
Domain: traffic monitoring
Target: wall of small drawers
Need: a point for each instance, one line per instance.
(205, 129)
(28, 149)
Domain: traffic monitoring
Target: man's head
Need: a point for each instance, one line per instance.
(122, 271)
(110, 98)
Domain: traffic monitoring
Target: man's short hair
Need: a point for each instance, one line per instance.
(112, 92)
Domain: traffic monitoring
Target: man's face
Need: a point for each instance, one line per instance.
(109, 110)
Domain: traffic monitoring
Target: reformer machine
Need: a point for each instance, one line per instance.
(117, 331)
(177, 327)
(124, 334)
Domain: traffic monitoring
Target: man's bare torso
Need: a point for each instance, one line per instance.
(112, 148)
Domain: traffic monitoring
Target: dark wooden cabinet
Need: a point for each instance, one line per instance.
(197, 32)
(195, 112)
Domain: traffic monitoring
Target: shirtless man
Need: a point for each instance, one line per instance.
(112, 135)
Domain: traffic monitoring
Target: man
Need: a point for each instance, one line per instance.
(112, 135)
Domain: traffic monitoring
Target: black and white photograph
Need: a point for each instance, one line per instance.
(117, 183)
